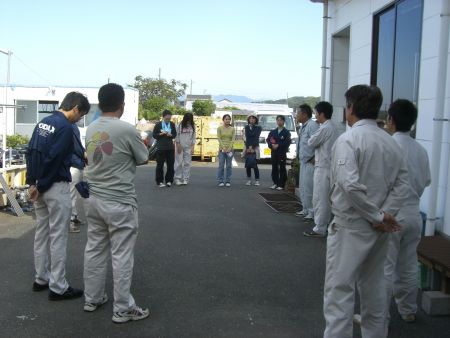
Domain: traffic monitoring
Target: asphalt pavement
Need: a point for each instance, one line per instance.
(209, 262)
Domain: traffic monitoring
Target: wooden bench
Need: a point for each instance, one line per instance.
(434, 252)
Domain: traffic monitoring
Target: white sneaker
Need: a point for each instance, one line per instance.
(221, 184)
(299, 213)
(185, 182)
(169, 184)
(273, 186)
(357, 319)
(136, 314)
(161, 185)
(309, 217)
(228, 184)
(249, 182)
(177, 182)
(256, 182)
(279, 188)
(91, 307)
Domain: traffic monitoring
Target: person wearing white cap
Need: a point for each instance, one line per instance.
(251, 152)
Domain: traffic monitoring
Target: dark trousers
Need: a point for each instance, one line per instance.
(167, 156)
(279, 174)
(255, 169)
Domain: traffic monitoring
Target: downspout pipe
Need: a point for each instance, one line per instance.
(438, 119)
(324, 49)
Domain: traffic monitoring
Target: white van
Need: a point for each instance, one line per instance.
(267, 119)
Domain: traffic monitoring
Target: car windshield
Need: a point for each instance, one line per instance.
(269, 122)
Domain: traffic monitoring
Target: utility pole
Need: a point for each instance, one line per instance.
(5, 109)
(190, 88)
(159, 74)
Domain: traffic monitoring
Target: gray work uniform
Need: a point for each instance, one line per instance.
(305, 156)
(114, 148)
(186, 139)
(52, 209)
(401, 264)
(368, 176)
(322, 140)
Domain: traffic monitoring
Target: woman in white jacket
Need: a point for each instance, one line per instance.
(185, 142)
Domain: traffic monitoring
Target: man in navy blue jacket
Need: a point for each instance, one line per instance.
(49, 159)
(279, 141)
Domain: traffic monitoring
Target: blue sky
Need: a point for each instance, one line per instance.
(261, 49)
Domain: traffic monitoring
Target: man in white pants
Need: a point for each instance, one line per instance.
(114, 148)
(322, 140)
(306, 159)
(401, 265)
(369, 182)
(76, 171)
(49, 159)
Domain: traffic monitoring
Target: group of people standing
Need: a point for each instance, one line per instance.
(362, 190)
(369, 181)
(113, 150)
(278, 142)
(175, 146)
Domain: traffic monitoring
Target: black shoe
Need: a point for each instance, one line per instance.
(312, 233)
(70, 293)
(39, 287)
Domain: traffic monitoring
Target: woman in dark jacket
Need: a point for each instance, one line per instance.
(164, 133)
(251, 152)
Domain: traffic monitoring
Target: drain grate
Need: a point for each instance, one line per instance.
(287, 207)
(278, 197)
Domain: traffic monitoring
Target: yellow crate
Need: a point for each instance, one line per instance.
(206, 145)
(15, 176)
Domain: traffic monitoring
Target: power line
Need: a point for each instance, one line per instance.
(31, 69)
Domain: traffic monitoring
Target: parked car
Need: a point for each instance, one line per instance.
(12, 156)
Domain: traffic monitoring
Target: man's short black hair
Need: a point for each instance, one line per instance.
(366, 101)
(75, 99)
(166, 112)
(281, 117)
(404, 114)
(305, 108)
(111, 97)
(325, 108)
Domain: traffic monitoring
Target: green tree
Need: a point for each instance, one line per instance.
(12, 141)
(155, 95)
(150, 87)
(203, 107)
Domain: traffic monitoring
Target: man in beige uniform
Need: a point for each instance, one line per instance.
(401, 264)
(114, 149)
(369, 180)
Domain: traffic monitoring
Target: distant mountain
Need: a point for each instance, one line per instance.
(233, 98)
(295, 101)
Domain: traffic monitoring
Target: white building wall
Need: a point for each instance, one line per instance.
(57, 94)
(358, 15)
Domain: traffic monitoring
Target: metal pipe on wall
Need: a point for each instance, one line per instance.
(324, 49)
(439, 119)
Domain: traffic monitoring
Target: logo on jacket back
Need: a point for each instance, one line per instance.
(45, 129)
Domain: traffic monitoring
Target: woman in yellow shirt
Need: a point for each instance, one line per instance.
(225, 135)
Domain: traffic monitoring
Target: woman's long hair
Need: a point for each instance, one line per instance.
(188, 118)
